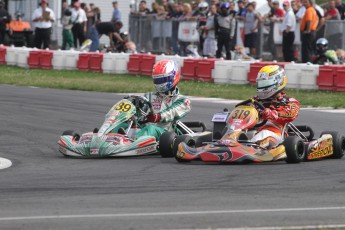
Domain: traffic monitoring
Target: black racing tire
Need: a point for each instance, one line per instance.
(183, 138)
(338, 144)
(166, 142)
(72, 133)
(295, 149)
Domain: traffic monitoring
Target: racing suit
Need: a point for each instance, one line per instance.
(170, 109)
(284, 109)
(328, 56)
(224, 27)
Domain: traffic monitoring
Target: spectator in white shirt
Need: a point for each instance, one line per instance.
(300, 13)
(43, 18)
(288, 30)
(79, 20)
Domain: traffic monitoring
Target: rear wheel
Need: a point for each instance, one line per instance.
(72, 133)
(183, 138)
(338, 144)
(166, 142)
(295, 150)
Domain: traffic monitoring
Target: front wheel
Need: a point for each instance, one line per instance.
(338, 144)
(295, 150)
(166, 142)
(185, 139)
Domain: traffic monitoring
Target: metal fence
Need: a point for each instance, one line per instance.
(334, 33)
(164, 36)
(151, 35)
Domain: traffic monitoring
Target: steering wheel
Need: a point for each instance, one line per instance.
(259, 107)
(142, 105)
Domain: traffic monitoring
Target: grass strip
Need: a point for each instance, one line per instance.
(124, 83)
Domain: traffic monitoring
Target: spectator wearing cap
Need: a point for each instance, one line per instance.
(5, 18)
(240, 17)
(43, 18)
(251, 26)
(288, 30)
(308, 27)
(79, 28)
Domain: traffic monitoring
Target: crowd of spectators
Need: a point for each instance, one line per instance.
(216, 18)
(82, 22)
(223, 26)
(78, 19)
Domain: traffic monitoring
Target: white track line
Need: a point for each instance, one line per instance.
(148, 214)
(278, 227)
(5, 163)
(332, 110)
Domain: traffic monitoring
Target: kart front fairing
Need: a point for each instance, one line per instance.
(230, 148)
(105, 143)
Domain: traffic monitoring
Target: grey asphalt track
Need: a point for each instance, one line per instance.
(44, 190)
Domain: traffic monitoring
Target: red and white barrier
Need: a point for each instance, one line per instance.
(299, 76)
(3, 51)
(115, 63)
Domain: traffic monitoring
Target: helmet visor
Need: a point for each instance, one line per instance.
(161, 79)
(261, 84)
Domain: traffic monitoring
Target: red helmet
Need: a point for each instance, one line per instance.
(165, 76)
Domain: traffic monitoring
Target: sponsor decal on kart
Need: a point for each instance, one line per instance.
(146, 150)
(322, 148)
(85, 139)
(220, 117)
(114, 139)
(94, 151)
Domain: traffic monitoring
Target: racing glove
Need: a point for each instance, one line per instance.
(153, 118)
(268, 114)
